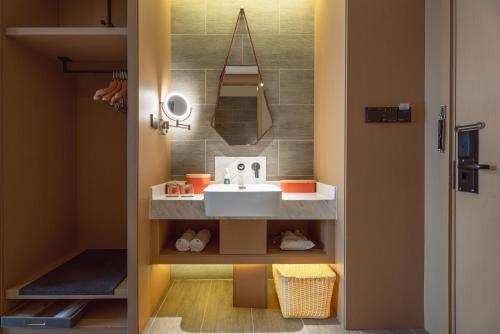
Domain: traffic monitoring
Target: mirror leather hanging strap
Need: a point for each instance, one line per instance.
(241, 16)
(241, 93)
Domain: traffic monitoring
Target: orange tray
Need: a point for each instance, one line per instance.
(298, 186)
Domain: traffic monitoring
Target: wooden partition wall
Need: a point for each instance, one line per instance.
(153, 150)
(385, 166)
(329, 117)
(378, 168)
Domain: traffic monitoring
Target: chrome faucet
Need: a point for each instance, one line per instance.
(256, 169)
(241, 168)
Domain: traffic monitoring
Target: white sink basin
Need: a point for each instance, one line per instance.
(256, 200)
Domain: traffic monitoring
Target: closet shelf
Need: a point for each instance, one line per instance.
(120, 292)
(80, 44)
(13, 293)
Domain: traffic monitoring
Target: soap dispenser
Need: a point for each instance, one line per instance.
(227, 177)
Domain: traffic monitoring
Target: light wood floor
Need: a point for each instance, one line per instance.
(206, 306)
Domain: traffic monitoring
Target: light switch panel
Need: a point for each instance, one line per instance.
(401, 114)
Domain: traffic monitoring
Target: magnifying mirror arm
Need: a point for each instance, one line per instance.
(182, 125)
(163, 125)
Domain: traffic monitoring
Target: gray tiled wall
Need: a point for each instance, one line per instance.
(283, 34)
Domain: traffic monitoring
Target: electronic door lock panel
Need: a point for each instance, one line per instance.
(468, 165)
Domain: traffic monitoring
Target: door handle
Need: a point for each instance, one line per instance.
(474, 166)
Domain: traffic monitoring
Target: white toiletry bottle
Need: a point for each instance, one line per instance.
(227, 177)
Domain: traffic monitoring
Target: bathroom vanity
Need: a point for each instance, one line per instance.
(312, 213)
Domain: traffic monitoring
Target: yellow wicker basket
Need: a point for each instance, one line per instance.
(304, 290)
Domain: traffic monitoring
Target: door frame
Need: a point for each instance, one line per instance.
(452, 155)
(452, 161)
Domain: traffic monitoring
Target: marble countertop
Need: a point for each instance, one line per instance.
(284, 197)
(319, 205)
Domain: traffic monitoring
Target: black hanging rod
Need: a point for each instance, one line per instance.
(66, 60)
(108, 21)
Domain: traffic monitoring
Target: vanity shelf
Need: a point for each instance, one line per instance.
(212, 256)
(164, 251)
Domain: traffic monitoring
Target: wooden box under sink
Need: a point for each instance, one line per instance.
(243, 237)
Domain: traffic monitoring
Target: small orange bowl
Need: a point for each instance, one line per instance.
(298, 186)
(199, 182)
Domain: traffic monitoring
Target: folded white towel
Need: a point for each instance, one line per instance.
(182, 244)
(300, 235)
(200, 241)
(295, 241)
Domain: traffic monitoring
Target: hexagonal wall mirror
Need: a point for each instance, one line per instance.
(242, 115)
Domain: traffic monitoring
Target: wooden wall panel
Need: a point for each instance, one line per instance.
(39, 162)
(329, 116)
(132, 168)
(101, 168)
(30, 13)
(89, 13)
(153, 157)
(385, 166)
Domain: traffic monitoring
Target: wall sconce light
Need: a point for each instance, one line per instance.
(177, 108)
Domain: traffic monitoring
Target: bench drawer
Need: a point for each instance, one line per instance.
(46, 314)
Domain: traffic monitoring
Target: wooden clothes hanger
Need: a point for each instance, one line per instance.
(109, 94)
(104, 91)
(116, 92)
(121, 94)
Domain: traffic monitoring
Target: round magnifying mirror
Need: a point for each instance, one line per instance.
(177, 107)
